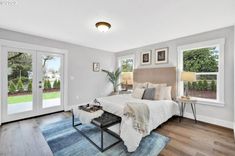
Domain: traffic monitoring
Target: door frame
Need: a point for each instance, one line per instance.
(34, 47)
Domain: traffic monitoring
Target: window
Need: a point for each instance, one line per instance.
(126, 64)
(206, 60)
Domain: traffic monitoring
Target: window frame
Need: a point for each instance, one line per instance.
(220, 77)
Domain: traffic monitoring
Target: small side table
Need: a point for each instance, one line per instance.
(182, 103)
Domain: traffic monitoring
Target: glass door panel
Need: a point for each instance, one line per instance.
(19, 82)
(32, 83)
(51, 80)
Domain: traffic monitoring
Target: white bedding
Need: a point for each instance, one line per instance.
(160, 111)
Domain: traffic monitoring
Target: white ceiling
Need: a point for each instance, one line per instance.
(134, 22)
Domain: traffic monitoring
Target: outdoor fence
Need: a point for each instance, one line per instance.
(205, 86)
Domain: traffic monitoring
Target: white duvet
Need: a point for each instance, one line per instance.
(160, 111)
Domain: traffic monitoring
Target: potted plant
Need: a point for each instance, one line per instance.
(113, 78)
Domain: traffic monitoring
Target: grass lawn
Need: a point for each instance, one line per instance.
(28, 98)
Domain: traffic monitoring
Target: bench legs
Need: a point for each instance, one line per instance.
(102, 149)
(102, 130)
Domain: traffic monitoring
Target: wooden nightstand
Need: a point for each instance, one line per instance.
(182, 103)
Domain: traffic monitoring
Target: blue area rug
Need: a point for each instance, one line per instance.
(64, 140)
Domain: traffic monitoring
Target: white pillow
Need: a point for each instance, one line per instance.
(140, 85)
(138, 93)
(165, 93)
(154, 85)
(157, 89)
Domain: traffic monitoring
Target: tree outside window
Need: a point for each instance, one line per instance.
(203, 61)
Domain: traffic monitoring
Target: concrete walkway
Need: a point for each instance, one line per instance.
(27, 106)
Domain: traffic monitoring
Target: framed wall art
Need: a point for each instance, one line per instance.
(161, 55)
(145, 58)
(96, 66)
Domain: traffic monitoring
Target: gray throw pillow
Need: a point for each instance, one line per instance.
(149, 94)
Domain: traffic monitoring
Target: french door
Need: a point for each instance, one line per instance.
(32, 83)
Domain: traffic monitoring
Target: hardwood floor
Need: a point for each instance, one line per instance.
(23, 138)
(201, 139)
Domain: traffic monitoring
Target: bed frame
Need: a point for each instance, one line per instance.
(157, 75)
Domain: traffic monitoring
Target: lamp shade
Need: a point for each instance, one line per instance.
(188, 76)
(127, 78)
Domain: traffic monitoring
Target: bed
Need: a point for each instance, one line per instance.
(159, 111)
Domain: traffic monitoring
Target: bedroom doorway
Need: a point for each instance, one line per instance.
(32, 83)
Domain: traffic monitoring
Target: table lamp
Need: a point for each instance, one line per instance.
(188, 77)
(127, 79)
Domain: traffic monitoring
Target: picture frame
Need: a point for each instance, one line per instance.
(145, 58)
(161, 55)
(96, 66)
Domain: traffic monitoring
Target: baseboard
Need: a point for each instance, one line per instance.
(223, 123)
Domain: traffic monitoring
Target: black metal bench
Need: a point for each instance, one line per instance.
(103, 123)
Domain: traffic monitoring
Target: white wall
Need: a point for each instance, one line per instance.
(217, 115)
(84, 84)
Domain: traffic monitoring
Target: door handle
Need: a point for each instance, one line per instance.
(40, 82)
(40, 86)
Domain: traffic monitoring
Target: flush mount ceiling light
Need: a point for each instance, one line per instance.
(103, 26)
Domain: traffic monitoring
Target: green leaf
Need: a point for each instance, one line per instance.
(113, 77)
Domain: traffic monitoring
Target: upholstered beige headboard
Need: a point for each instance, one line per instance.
(157, 75)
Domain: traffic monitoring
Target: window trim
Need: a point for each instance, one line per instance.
(220, 78)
